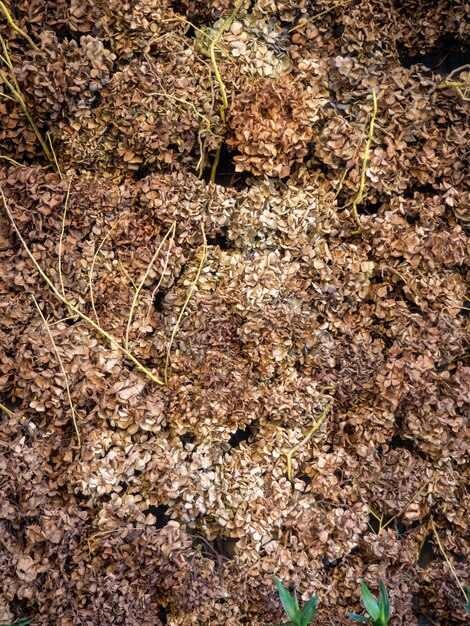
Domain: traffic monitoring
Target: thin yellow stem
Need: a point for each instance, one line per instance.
(157, 287)
(72, 307)
(447, 560)
(341, 181)
(142, 282)
(412, 499)
(22, 104)
(192, 106)
(67, 386)
(226, 24)
(309, 435)
(188, 297)
(215, 164)
(127, 275)
(92, 268)
(11, 161)
(6, 59)
(7, 97)
(15, 27)
(4, 408)
(196, 28)
(358, 198)
(457, 85)
(64, 215)
(16, 91)
(48, 136)
(374, 515)
(103, 533)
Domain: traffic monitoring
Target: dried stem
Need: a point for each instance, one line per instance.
(223, 92)
(5, 410)
(226, 24)
(48, 137)
(16, 28)
(358, 198)
(215, 164)
(394, 517)
(157, 286)
(127, 275)
(142, 282)
(309, 435)
(207, 129)
(189, 104)
(447, 560)
(188, 297)
(64, 215)
(67, 386)
(14, 88)
(11, 161)
(72, 307)
(341, 181)
(459, 86)
(197, 29)
(92, 268)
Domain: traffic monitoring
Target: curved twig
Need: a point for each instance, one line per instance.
(188, 297)
(72, 307)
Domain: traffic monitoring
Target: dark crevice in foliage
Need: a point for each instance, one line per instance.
(424, 188)
(158, 300)
(398, 442)
(160, 513)
(465, 310)
(225, 546)
(426, 553)
(446, 55)
(219, 550)
(162, 614)
(226, 176)
(71, 321)
(219, 239)
(142, 172)
(376, 524)
(10, 404)
(370, 208)
(327, 564)
(187, 438)
(305, 478)
(240, 435)
(412, 218)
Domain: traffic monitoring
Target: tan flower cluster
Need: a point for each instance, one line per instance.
(270, 125)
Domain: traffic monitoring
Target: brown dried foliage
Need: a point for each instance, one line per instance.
(177, 505)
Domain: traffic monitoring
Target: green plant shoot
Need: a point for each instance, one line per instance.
(466, 605)
(296, 615)
(378, 610)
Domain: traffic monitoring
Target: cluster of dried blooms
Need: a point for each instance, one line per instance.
(177, 508)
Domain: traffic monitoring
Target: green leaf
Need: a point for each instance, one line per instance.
(359, 618)
(384, 603)
(369, 602)
(309, 611)
(290, 605)
(466, 605)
